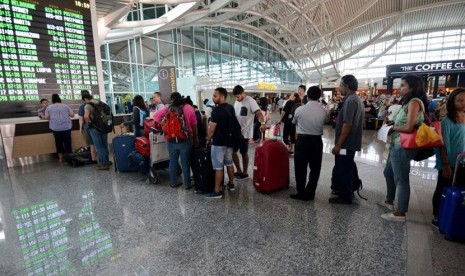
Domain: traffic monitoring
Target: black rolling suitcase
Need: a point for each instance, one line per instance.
(204, 175)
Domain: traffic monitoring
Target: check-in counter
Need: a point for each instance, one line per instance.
(29, 140)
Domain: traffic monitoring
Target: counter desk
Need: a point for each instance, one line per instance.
(25, 141)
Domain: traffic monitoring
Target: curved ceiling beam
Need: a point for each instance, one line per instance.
(213, 21)
(140, 29)
(265, 37)
(345, 22)
(212, 8)
(141, 23)
(410, 10)
(365, 66)
(167, 2)
(338, 30)
(317, 30)
(363, 46)
(294, 15)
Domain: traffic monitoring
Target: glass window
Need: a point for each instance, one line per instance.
(121, 76)
(119, 51)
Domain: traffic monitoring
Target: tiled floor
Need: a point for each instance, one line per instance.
(107, 223)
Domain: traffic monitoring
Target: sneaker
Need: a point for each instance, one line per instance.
(384, 204)
(231, 187)
(109, 163)
(392, 217)
(214, 195)
(435, 224)
(175, 185)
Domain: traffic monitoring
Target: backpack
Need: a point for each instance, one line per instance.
(102, 117)
(174, 125)
(234, 135)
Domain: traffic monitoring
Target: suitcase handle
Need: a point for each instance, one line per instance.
(460, 159)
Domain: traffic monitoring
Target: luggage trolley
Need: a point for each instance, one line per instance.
(159, 156)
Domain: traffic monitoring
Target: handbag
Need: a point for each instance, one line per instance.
(430, 135)
(277, 130)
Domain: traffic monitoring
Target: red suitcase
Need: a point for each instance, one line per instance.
(271, 166)
(143, 146)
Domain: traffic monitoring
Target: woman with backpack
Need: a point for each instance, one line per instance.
(59, 116)
(139, 113)
(179, 124)
(410, 116)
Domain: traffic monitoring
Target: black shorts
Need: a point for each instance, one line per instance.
(244, 148)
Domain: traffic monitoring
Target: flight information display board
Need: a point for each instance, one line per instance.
(47, 48)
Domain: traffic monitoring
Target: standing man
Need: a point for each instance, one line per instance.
(83, 127)
(246, 108)
(221, 149)
(99, 139)
(348, 140)
(303, 96)
(309, 119)
(157, 101)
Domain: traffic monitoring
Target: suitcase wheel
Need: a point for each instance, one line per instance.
(154, 178)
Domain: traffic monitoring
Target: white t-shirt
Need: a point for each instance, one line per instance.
(245, 113)
(393, 110)
(208, 111)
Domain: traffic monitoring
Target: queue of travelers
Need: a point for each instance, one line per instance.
(303, 116)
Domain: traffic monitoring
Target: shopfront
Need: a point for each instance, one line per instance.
(438, 75)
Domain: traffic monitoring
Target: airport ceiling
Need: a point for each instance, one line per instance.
(315, 34)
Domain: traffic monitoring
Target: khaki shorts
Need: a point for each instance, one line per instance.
(87, 138)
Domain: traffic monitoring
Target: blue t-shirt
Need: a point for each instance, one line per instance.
(81, 113)
(453, 136)
(59, 117)
(432, 106)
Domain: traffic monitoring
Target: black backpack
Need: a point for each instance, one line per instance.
(234, 135)
(101, 117)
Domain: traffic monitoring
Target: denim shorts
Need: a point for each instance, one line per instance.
(221, 156)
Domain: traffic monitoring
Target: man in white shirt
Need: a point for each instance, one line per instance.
(309, 119)
(246, 108)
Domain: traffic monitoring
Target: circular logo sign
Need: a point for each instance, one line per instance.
(163, 74)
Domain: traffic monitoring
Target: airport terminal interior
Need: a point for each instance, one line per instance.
(65, 218)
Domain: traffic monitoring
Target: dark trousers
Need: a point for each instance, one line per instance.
(440, 186)
(308, 152)
(63, 141)
(289, 131)
(343, 173)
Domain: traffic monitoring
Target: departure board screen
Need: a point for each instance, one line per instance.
(47, 48)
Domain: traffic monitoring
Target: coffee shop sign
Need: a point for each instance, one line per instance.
(440, 66)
